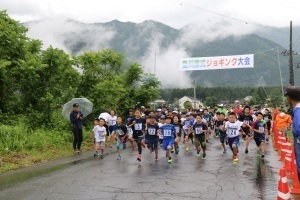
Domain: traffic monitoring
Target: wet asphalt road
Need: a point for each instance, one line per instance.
(189, 177)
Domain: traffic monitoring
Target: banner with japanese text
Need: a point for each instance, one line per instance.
(218, 62)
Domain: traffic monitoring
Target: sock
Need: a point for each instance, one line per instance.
(170, 158)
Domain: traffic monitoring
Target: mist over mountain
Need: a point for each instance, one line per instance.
(159, 47)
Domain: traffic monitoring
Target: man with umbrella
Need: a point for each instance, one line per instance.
(76, 119)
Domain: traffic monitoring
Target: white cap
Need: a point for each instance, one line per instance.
(159, 110)
(201, 110)
(142, 106)
(175, 111)
(221, 105)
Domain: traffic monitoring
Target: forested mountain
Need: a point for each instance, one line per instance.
(139, 41)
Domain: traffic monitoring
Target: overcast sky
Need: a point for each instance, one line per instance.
(175, 13)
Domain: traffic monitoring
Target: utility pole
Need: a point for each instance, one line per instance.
(291, 56)
(195, 94)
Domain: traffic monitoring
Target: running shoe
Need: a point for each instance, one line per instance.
(204, 156)
(96, 154)
(187, 149)
(139, 158)
(170, 160)
(111, 146)
(235, 159)
(119, 157)
(176, 150)
(267, 139)
(198, 154)
(246, 150)
(172, 151)
(262, 155)
(225, 151)
(156, 159)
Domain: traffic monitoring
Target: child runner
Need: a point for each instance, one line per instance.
(169, 132)
(268, 120)
(187, 130)
(219, 127)
(122, 135)
(246, 128)
(128, 120)
(112, 120)
(259, 129)
(152, 136)
(178, 127)
(138, 125)
(200, 129)
(206, 115)
(216, 127)
(232, 128)
(99, 132)
(161, 123)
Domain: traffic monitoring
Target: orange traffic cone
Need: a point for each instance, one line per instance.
(293, 171)
(281, 142)
(283, 151)
(283, 192)
(288, 162)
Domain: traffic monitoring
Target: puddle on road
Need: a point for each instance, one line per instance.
(264, 180)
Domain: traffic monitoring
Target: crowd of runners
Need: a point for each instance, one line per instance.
(167, 127)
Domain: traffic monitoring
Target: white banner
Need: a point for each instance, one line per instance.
(218, 62)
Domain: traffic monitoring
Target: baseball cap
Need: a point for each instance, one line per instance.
(162, 117)
(142, 106)
(75, 105)
(293, 92)
(159, 110)
(188, 114)
(175, 112)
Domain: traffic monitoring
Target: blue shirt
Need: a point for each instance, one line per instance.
(77, 123)
(296, 122)
(168, 131)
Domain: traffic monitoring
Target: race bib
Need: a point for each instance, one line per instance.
(262, 129)
(232, 132)
(247, 122)
(198, 130)
(120, 132)
(151, 131)
(167, 133)
(138, 126)
(177, 129)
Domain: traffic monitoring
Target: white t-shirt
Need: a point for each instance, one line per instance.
(99, 133)
(232, 129)
(112, 120)
(104, 116)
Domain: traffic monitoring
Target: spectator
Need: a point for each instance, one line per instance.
(293, 97)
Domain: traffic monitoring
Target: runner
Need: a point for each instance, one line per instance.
(187, 126)
(160, 125)
(112, 120)
(200, 129)
(99, 133)
(122, 135)
(138, 125)
(169, 132)
(246, 128)
(128, 120)
(268, 119)
(259, 129)
(152, 131)
(207, 118)
(232, 128)
(178, 127)
(219, 127)
(216, 127)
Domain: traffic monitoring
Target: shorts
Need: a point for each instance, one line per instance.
(118, 144)
(152, 143)
(168, 142)
(100, 145)
(200, 140)
(185, 132)
(268, 126)
(234, 140)
(259, 139)
(136, 135)
(222, 138)
(111, 129)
